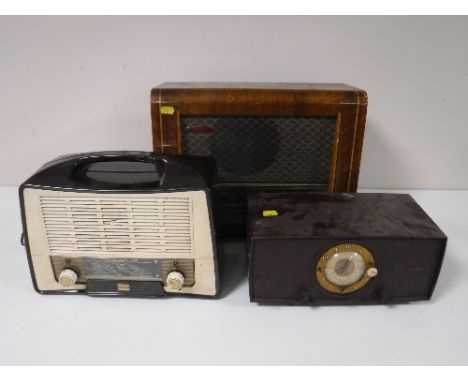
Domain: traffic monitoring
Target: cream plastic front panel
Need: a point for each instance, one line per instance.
(161, 225)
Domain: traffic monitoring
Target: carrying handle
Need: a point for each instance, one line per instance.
(118, 157)
(118, 171)
(170, 172)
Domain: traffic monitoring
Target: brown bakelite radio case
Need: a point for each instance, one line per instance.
(341, 248)
(264, 137)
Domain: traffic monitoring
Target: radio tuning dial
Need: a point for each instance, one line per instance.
(175, 280)
(68, 277)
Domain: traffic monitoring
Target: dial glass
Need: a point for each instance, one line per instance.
(345, 268)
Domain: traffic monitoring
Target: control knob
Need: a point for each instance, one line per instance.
(175, 280)
(68, 277)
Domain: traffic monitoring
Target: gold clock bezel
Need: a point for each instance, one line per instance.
(329, 286)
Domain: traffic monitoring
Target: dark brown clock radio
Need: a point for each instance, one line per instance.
(341, 248)
(264, 137)
(121, 223)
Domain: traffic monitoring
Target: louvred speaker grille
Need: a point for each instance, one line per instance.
(110, 224)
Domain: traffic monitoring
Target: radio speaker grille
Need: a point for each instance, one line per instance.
(109, 224)
(263, 149)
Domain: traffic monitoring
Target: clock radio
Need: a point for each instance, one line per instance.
(341, 248)
(122, 224)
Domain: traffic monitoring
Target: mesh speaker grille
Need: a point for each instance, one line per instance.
(108, 224)
(263, 149)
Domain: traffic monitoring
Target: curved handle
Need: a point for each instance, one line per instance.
(119, 171)
(111, 156)
(125, 171)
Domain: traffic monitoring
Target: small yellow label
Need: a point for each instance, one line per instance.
(165, 109)
(269, 213)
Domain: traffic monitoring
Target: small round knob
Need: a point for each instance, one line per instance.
(372, 272)
(175, 280)
(68, 277)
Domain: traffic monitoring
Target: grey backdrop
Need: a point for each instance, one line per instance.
(71, 84)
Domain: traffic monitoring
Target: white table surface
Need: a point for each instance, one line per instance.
(37, 329)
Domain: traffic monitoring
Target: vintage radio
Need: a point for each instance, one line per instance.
(264, 137)
(121, 223)
(341, 248)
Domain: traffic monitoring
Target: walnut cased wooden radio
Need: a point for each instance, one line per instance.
(122, 224)
(263, 136)
(341, 248)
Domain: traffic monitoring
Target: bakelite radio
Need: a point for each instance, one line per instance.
(121, 223)
(341, 248)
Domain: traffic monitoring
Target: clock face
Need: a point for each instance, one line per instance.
(345, 268)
